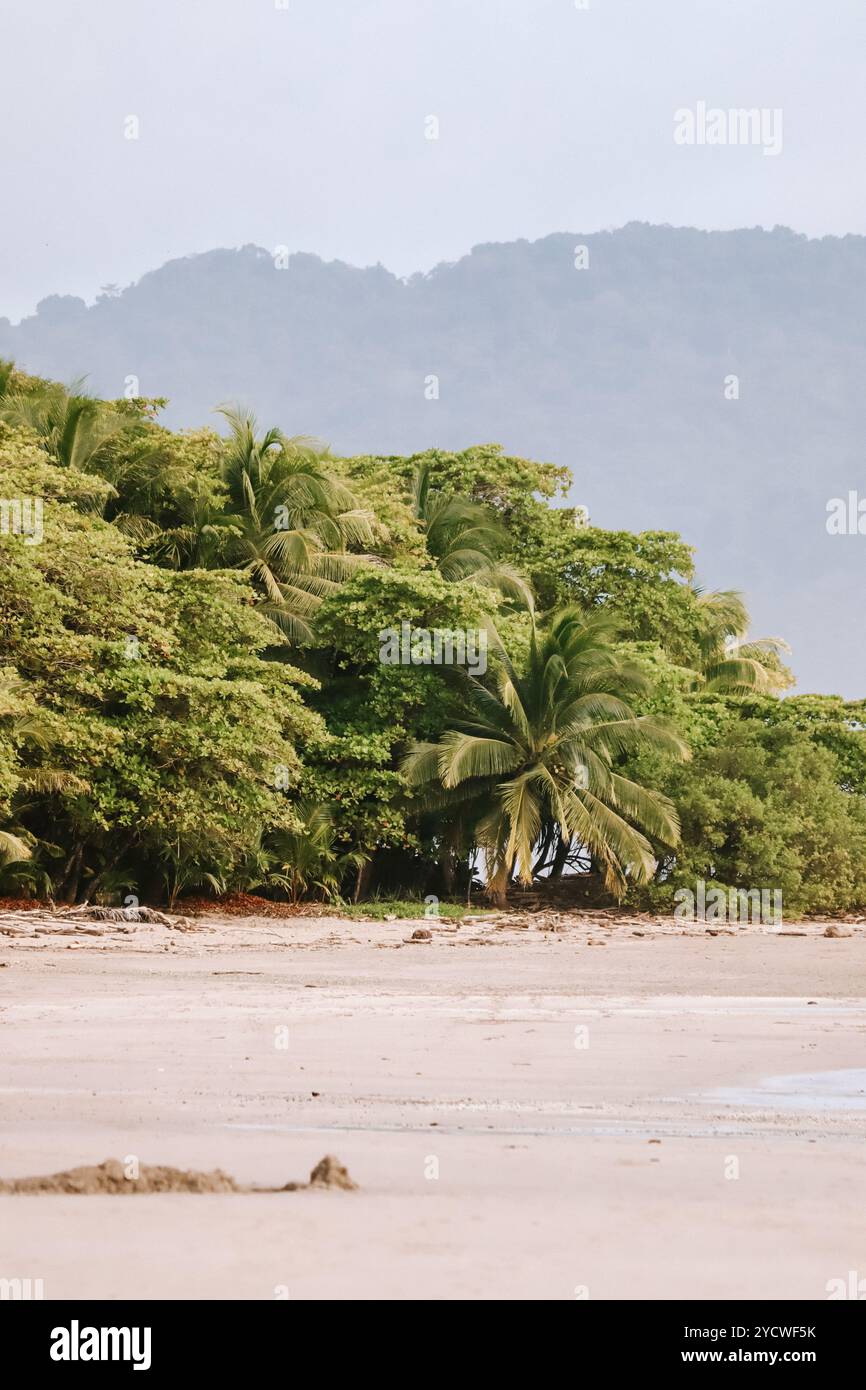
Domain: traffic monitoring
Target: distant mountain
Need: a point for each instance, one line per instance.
(618, 369)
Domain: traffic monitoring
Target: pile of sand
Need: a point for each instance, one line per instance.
(330, 1172)
(110, 1179)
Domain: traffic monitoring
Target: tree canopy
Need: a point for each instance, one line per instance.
(235, 661)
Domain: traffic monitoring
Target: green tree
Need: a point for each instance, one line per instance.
(287, 523)
(169, 743)
(761, 807)
(729, 661)
(465, 538)
(373, 709)
(307, 859)
(73, 427)
(541, 746)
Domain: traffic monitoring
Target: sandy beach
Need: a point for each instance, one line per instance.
(586, 1113)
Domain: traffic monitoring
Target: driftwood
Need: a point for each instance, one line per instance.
(81, 921)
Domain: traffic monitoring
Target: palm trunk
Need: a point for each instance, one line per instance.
(544, 850)
(559, 858)
(497, 885)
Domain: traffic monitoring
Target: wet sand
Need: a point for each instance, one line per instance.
(527, 1115)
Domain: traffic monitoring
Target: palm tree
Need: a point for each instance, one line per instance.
(306, 858)
(195, 535)
(465, 539)
(7, 377)
(289, 522)
(540, 745)
(731, 664)
(277, 512)
(73, 427)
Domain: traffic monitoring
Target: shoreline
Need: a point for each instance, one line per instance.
(525, 1112)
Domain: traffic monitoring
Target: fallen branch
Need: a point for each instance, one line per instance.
(72, 921)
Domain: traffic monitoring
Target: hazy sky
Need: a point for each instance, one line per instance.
(304, 126)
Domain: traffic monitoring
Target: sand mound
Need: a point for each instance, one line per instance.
(109, 1178)
(329, 1172)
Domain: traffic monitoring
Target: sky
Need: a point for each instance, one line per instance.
(304, 124)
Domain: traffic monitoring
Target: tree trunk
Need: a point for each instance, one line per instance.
(559, 858)
(448, 865)
(544, 849)
(362, 879)
(497, 886)
(71, 875)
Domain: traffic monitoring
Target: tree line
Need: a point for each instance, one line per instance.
(193, 699)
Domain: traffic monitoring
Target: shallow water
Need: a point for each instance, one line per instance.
(844, 1089)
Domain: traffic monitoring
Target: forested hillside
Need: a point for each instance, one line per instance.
(609, 353)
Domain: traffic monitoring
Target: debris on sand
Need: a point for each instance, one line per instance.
(131, 914)
(110, 1179)
(87, 920)
(248, 905)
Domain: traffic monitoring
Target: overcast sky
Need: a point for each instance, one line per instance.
(304, 126)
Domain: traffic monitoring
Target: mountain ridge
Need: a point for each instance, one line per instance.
(619, 370)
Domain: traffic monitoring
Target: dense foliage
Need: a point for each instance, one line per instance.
(218, 668)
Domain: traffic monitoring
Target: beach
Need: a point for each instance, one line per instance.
(592, 1112)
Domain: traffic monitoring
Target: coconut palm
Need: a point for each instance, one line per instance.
(541, 744)
(277, 512)
(12, 848)
(289, 521)
(731, 664)
(195, 537)
(73, 427)
(465, 539)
